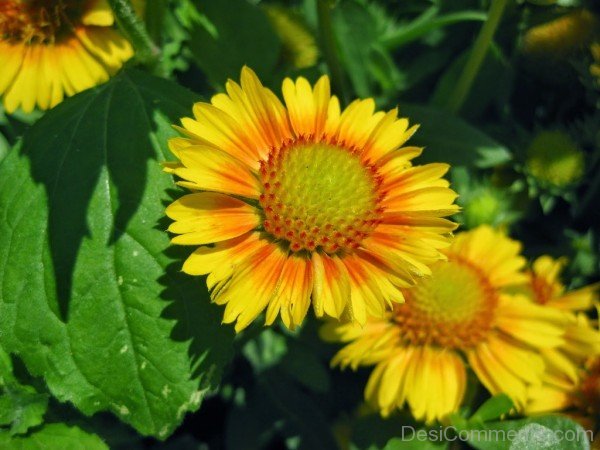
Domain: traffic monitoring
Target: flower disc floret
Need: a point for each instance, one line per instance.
(319, 196)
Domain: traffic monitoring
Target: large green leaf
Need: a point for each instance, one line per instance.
(89, 298)
(450, 139)
(56, 436)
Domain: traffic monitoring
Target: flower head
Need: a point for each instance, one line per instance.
(462, 312)
(305, 203)
(51, 49)
(483, 203)
(565, 363)
(546, 287)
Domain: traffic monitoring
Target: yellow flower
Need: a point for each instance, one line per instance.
(546, 288)
(50, 49)
(463, 312)
(582, 340)
(299, 45)
(305, 203)
(561, 37)
(554, 159)
(595, 67)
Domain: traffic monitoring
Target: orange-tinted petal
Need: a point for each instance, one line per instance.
(210, 217)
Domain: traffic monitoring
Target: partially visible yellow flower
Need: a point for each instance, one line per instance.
(299, 45)
(50, 49)
(462, 314)
(546, 287)
(554, 159)
(595, 67)
(561, 37)
(582, 340)
(305, 203)
(588, 397)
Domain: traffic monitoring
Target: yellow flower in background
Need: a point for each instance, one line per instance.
(50, 49)
(463, 314)
(582, 339)
(554, 159)
(561, 37)
(305, 203)
(546, 288)
(299, 45)
(565, 369)
(595, 67)
(588, 396)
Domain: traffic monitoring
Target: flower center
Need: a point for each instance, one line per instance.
(37, 21)
(319, 196)
(454, 308)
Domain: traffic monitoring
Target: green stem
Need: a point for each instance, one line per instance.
(427, 23)
(480, 49)
(133, 27)
(329, 48)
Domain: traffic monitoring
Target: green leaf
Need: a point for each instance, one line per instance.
(355, 48)
(372, 432)
(450, 139)
(277, 406)
(491, 85)
(89, 298)
(547, 432)
(238, 33)
(266, 350)
(414, 443)
(4, 147)
(56, 436)
(21, 406)
(493, 408)
(302, 364)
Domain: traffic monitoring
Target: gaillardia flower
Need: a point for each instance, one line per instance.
(462, 314)
(582, 340)
(546, 288)
(50, 49)
(305, 203)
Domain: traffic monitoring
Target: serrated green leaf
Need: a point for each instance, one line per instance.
(547, 432)
(450, 139)
(89, 298)
(56, 436)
